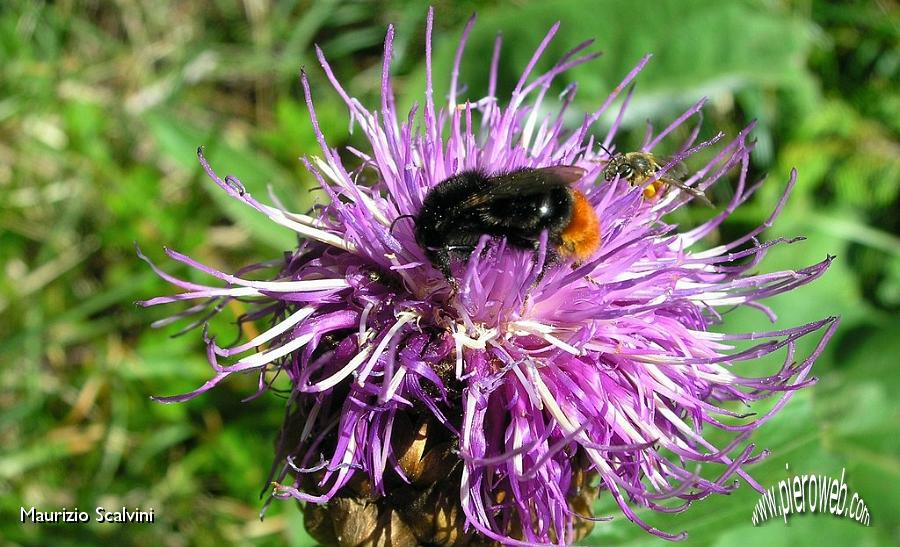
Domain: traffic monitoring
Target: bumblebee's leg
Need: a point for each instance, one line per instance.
(484, 251)
(551, 257)
(441, 259)
(466, 249)
(521, 242)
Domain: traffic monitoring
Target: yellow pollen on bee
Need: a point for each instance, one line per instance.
(653, 189)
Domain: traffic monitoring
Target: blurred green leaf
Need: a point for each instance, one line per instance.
(860, 416)
(179, 140)
(293, 135)
(700, 47)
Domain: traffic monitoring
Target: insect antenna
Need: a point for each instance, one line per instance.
(609, 155)
(391, 229)
(605, 149)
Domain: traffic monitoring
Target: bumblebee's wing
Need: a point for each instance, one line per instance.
(524, 182)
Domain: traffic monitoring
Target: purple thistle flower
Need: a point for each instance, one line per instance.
(602, 372)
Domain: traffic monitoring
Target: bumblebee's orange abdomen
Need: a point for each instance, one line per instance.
(582, 236)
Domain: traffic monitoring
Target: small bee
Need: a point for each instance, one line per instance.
(638, 167)
(518, 206)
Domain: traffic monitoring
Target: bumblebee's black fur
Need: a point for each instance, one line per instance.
(518, 206)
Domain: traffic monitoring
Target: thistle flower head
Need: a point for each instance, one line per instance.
(536, 383)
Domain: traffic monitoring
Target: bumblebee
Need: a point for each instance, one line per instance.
(518, 206)
(638, 167)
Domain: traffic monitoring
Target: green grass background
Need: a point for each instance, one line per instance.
(102, 106)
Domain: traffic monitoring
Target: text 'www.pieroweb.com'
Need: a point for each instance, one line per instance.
(814, 494)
